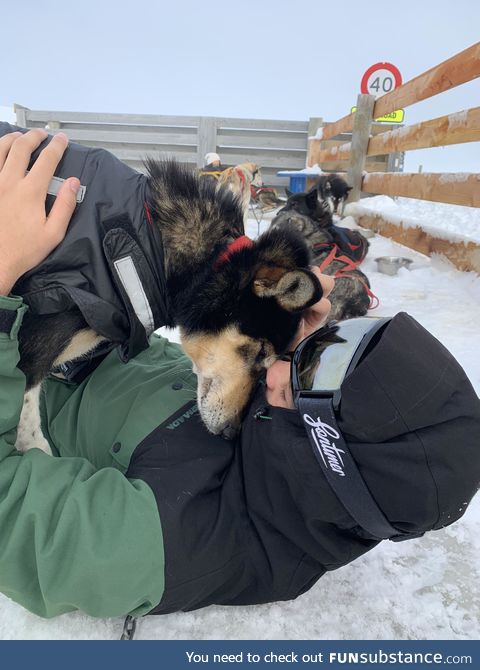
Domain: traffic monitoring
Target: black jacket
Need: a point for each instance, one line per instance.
(256, 521)
(110, 264)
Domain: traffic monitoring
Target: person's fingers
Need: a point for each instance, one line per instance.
(316, 315)
(327, 283)
(46, 164)
(5, 145)
(62, 210)
(16, 163)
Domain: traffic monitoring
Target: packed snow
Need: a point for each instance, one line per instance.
(450, 222)
(427, 588)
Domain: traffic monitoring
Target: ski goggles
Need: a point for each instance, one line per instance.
(320, 364)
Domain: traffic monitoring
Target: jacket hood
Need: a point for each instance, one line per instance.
(412, 422)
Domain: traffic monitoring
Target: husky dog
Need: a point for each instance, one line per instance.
(316, 204)
(266, 197)
(339, 190)
(239, 179)
(238, 303)
(351, 294)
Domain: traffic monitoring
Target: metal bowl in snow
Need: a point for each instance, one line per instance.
(389, 265)
(366, 232)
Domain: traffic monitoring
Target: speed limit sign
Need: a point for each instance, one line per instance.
(381, 78)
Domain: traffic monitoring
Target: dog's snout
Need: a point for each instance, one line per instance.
(230, 431)
(206, 386)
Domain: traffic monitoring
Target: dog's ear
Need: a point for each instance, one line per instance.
(348, 189)
(288, 192)
(311, 199)
(294, 290)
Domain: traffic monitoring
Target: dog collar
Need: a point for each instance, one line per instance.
(234, 247)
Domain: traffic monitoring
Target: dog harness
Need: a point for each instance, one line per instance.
(110, 264)
(213, 173)
(349, 266)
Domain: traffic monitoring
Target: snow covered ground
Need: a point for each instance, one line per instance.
(450, 222)
(422, 589)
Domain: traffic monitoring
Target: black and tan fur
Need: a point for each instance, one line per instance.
(235, 318)
(338, 190)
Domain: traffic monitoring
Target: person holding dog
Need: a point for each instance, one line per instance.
(141, 510)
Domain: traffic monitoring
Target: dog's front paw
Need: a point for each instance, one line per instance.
(29, 433)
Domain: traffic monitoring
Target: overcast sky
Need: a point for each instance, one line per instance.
(266, 59)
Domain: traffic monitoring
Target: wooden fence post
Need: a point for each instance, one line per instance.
(21, 114)
(314, 123)
(360, 138)
(207, 138)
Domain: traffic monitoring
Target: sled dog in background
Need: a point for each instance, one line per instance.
(239, 179)
(336, 251)
(339, 190)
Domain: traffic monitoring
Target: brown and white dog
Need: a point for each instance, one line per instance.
(239, 179)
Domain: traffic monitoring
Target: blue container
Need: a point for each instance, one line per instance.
(298, 184)
(298, 181)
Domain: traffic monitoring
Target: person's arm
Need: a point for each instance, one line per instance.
(71, 537)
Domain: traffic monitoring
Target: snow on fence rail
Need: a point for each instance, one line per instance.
(464, 126)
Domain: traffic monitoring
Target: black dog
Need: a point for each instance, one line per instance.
(337, 251)
(165, 249)
(317, 204)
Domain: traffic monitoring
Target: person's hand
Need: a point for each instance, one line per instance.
(278, 390)
(27, 235)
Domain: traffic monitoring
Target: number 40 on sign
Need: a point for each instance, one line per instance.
(379, 79)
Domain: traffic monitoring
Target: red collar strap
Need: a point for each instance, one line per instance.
(346, 271)
(238, 244)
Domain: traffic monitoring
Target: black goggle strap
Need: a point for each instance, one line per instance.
(335, 459)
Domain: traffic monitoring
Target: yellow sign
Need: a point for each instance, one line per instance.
(391, 117)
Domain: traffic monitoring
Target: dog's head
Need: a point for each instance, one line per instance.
(237, 311)
(339, 192)
(316, 204)
(245, 316)
(252, 173)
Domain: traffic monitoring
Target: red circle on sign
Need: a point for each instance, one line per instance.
(381, 66)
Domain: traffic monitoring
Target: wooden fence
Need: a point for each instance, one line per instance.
(463, 126)
(273, 144)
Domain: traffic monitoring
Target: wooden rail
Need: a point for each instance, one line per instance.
(463, 67)
(451, 129)
(344, 125)
(445, 130)
(457, 188)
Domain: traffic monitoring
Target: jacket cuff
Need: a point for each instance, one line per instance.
(12, 310)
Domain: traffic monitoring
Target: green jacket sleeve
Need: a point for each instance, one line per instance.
(71, 537)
